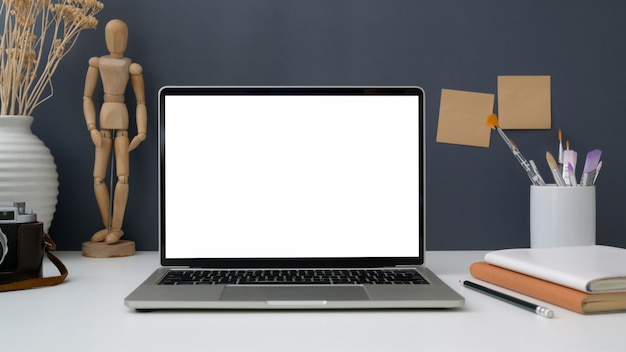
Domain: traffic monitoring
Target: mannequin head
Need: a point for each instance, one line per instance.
(116, 36)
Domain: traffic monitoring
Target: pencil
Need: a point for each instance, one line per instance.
(543, 311)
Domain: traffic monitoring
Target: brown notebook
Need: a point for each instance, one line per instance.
(577, 301)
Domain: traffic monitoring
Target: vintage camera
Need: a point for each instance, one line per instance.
(12, 216)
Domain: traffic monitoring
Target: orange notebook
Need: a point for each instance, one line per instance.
(565, 297)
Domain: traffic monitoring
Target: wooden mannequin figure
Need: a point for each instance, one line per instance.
(114, 70)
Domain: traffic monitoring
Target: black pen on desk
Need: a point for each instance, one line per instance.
(539, 310)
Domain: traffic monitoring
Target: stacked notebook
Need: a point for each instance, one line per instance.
(584, 279)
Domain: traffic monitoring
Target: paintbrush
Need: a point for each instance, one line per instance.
(535, 177)
(572, 174)
(560, 147)
(569, 158)
(591, 167)
(532, 164)
(555, 170)
(597, 172)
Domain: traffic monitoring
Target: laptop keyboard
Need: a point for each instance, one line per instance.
(294, 276)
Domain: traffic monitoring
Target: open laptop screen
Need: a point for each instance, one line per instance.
(290, 173)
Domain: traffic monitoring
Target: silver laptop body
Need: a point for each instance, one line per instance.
(291, 178)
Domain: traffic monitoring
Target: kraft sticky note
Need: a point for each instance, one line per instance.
(462, 116)
(524, 102)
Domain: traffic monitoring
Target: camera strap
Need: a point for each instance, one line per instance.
(49, 246)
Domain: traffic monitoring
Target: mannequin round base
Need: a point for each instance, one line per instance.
(123, 248)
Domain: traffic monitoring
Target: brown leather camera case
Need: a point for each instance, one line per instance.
(32, 243)
(30, 250)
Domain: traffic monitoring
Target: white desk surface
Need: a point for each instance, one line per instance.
(87, 313)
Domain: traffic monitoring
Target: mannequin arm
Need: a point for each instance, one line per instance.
(141, 111)
(89, 108)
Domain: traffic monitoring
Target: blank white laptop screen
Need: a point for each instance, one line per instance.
(292, 176)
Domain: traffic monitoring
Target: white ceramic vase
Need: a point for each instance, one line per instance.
(27, 169)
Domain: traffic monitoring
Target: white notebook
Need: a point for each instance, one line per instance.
(591, 269)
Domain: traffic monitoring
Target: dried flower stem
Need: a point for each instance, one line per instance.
(36, 35)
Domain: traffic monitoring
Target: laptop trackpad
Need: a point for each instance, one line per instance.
(293, 293)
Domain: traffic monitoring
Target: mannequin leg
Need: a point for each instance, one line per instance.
(120, 199)
(103, 153)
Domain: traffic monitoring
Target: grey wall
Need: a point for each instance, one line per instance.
(477, 197)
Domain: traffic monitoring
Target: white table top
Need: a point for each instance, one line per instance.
(87, 313)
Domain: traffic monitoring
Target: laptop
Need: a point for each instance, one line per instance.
(292, 198)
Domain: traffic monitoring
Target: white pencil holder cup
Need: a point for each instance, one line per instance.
(562, 216)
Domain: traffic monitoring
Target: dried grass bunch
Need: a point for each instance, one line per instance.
(36, 35)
